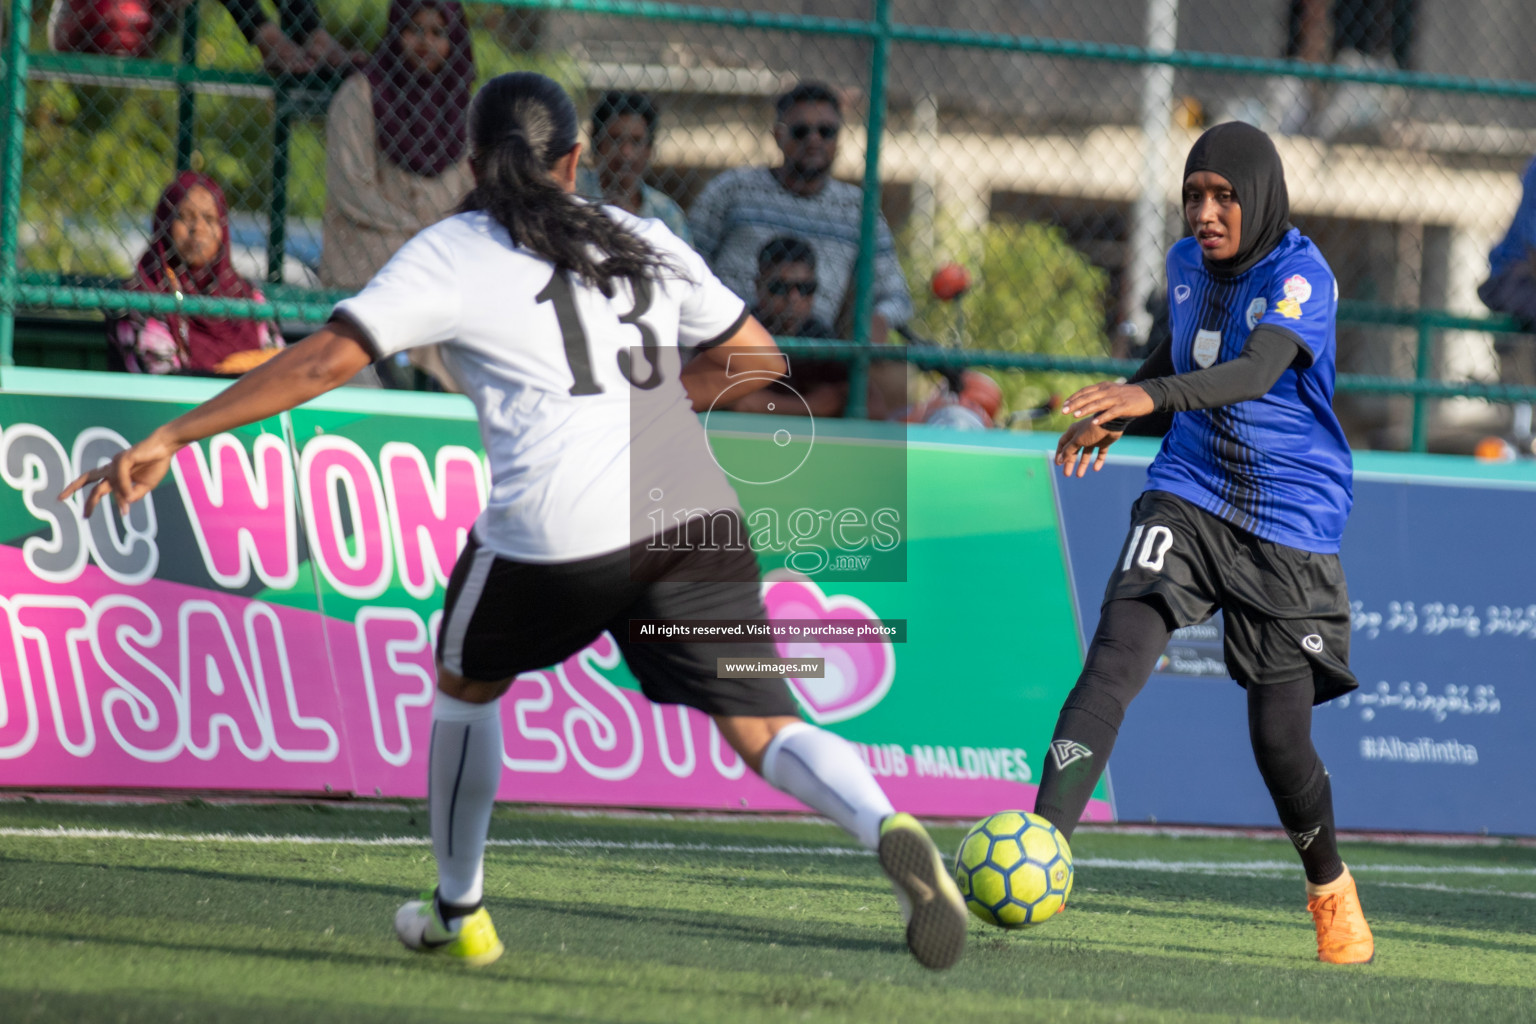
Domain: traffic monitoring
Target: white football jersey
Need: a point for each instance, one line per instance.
(582, 413)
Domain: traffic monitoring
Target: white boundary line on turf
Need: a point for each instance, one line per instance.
(260, 839)
(1437, 887)
(1211, 867)
(1218, 867)
(745, 818)
(1276, 834)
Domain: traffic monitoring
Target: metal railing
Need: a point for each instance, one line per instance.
(294, 98)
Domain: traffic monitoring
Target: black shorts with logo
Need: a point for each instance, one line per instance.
(502, 617)
(1285, 610)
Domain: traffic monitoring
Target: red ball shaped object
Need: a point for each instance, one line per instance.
(981, 392)
(116, 28)
(1495, 449)
(950, 281)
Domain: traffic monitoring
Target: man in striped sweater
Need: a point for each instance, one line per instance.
(741, 210)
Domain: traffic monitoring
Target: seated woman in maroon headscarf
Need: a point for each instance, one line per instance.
(188, 255)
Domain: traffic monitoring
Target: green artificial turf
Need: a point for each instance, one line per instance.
(637, 918)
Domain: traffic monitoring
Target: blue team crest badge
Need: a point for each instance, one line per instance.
(1256, 310)
(1207, 348)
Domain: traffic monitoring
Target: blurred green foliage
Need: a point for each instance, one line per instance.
(1031, 291)
(97, 156)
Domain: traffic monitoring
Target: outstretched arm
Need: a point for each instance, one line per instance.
(1087, 442)
(1102, 410)
(1159, 363)
(1082, 444)
(325, 360)
(1267, 354)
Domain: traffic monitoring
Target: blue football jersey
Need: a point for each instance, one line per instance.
(1276, 466)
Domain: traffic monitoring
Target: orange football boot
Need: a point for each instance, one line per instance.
(1343, 937)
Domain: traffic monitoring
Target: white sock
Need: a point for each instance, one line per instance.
(463, 774)
(823, 772)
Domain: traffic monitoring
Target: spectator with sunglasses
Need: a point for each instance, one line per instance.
(786, 295)
(742, 210)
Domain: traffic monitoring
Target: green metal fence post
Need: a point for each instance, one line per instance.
(1421, 373)
(869, 221)
(186, 99)
(10, 169)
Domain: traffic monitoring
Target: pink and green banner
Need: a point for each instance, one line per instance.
(265, 622)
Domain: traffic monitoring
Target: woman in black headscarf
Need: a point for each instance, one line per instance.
(1243, 511)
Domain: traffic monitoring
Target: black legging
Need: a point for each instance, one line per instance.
(1131, 635)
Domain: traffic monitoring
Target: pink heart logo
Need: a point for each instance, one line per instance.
(858, 675)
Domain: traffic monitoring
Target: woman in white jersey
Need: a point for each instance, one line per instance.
(567, 324)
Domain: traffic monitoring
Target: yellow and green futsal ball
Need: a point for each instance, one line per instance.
(1014, 870)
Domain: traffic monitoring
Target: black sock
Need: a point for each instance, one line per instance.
(1130, 638)
(1085, 734)
(1308, 820)
(1280, 726)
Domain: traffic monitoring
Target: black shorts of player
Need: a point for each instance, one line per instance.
(503, 617)
(1285, 610)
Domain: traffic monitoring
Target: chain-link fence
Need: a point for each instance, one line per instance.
(1036, 143)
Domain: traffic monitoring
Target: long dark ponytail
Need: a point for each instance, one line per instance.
(520, 124)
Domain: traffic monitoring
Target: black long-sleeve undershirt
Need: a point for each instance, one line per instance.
(1266, 354)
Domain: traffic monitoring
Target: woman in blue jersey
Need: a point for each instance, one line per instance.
(1243, 510)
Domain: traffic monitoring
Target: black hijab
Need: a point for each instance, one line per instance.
(1246, 157)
